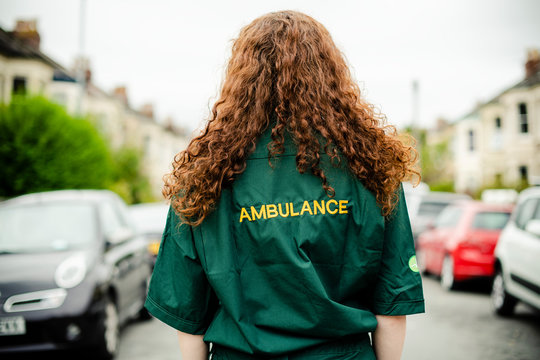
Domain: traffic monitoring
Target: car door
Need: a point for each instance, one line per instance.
(525, 248)
(123, 254)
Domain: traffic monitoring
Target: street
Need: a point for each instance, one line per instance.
(457, 325)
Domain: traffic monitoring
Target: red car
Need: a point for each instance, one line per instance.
(460, 244)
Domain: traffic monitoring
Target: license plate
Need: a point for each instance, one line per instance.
(12, 326)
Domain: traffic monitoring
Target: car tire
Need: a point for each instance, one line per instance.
(109, 337)
(503, 302)
(448, 280)
(144, 315)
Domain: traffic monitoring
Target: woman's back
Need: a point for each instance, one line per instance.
(288, 227)
(291, 267)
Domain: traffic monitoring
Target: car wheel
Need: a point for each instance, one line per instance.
(144, 314)
(108, 342)
(503, 303)
(447, 273)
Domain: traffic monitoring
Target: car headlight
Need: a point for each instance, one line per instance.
(71, 271)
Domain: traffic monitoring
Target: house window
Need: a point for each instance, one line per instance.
(523, 173)
(523, 121)
(19, 85)
(498, 123)
(471, 140)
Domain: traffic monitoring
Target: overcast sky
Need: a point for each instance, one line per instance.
(173, 53)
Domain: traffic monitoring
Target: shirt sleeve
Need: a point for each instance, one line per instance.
(398, 289)
(179, 293)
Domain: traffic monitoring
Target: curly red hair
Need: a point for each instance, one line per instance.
(285, 71)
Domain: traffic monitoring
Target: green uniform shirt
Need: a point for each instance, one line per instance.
(279, 266)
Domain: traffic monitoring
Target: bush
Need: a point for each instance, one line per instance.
(43, 148)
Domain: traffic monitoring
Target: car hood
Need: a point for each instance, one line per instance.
(21, 273)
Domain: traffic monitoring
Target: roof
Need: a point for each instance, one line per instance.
(60, 195)
(14, 48)
(528, 82)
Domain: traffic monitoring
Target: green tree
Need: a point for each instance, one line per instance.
(129, 179)
(43, 148)
(434, 159)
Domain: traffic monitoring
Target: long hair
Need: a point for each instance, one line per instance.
(286, 72)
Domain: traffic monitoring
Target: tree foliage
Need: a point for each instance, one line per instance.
(43, 148)
(129, 180)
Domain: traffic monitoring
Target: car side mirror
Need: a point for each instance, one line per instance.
(119, 236)
(533, 227)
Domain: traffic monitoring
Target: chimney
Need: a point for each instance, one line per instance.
(533, 63)
(26, 31)
(148, 110)
(81, 67)
(169, 123)
(120, 92)
(442, 124)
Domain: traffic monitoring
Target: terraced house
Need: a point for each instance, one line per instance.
(499, 142)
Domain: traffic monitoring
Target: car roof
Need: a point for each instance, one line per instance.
(157, 206)
(475, 205)
(61, 195)
(437, 196)
(532, 191)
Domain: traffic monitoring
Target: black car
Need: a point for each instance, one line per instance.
(71, 272)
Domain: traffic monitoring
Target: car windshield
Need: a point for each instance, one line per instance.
(48, 227)
(431, 208)
(449, 217)
(490, 220)
(149, 218)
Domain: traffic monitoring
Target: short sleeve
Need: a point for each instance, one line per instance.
(179, 293)
(398, 289)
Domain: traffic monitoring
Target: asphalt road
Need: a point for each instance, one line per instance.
(457, 325)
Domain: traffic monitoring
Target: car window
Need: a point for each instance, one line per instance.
(449, 217)
(526, 212)
(431, 208)
(490, 220)
(149, 218)
(47, 227)
(110, 220)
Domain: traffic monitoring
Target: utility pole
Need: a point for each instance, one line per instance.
(415, 121)
(81, 75)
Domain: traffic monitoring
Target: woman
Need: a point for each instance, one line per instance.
(288, 235)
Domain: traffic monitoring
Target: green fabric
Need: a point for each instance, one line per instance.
(271, 271)
(356, 347)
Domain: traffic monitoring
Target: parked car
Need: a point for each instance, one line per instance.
(461, 243)
(517, 257)
(71, 272)
(424, 207)
(149, 220)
